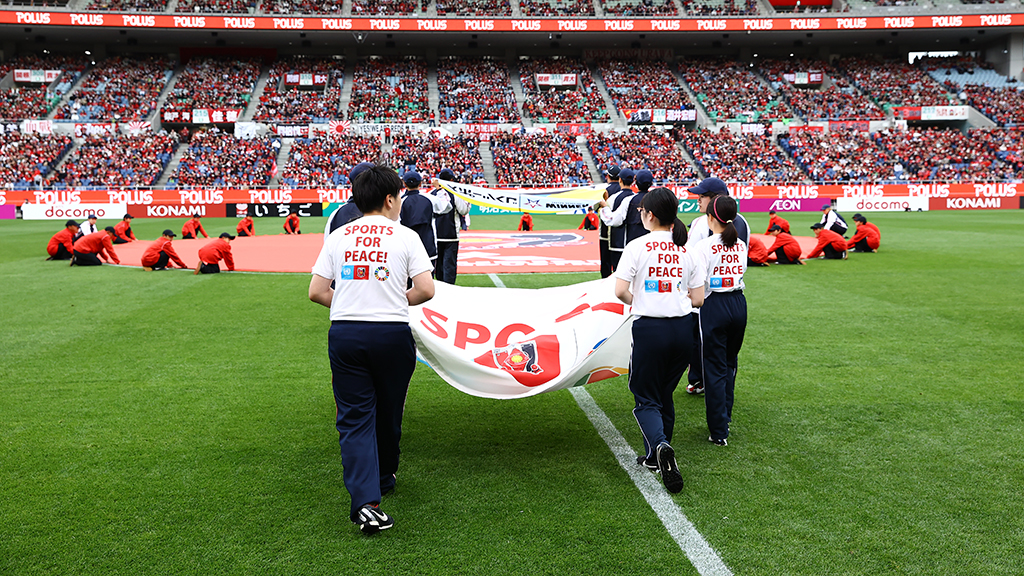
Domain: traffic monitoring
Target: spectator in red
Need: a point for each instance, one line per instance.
(245, 226)
(193, 228)
(757, 254)
(61, 246)
(786, 249)
(215, 251)
(868, 237)
(291, 223)
(161, 253)
(123, 231)
(526, 222)
(590, 220)
(776, 220)
(91, 247)
(831, 245)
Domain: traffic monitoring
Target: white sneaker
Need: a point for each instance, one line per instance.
(372, 519)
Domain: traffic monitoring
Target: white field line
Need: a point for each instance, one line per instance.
(497, 281)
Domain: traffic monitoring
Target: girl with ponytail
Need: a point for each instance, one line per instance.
(723, 317)
(663, 282)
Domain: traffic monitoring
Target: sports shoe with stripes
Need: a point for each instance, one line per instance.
(697, 388)
(649, 463)
(372, 519)
(669, 469)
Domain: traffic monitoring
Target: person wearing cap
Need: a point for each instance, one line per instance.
(644, 179)
(831, 246)
(87, 227)
(160, 253)
(603, 233)
(215, 251)
(832, 220)
(776, 220)
(193, 228)
(868, 237)
(590, 220)
(700, 228)
(349, 211)
(786, 249)
(62, 244)
(525, 222)
(245, 226)
(447, 227)
(370, 344)
(123, 231)
(418, 211)
(91, 247)
(613, 213)
(291, 223)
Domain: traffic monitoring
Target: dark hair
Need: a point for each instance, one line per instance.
(723, 209)
(374, 185)
(110, 229)
(664, 206)
(644, 186)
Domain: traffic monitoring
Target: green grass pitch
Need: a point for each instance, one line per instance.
(163, 423)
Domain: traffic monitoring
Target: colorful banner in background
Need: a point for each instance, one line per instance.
(536, 200)
(508, 343)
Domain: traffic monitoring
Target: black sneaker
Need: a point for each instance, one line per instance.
(718, 441)
(649, 463)
(372, 519)
(669, 469)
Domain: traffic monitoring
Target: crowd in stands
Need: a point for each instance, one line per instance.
(1006, 145)
(893, 82)
(117, 161)
(119, 89)
(286, 101)
(474, 8)
(839, 156)
(720, 8)
(27, 160)
(641, 148)
(325, 159)
(291, 7)
(740, 157)
(536, 159)
(638, 8)
(634, 84)
(840, 101)
(387, 7)
(729, 90)
(217, 6)
(32, 100)
(430, 154)
(128, 5)
(938, 154)
(1005, 106)
(475, 90)
(582, 103)
(215, 158)
(389, 90)
(557, 8)
(214, 83)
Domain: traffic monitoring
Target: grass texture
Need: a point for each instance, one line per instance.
(164, 423)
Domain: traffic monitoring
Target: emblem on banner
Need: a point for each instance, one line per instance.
(531, 363)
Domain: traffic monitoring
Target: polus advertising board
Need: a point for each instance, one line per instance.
(883, 204)
(73, 211)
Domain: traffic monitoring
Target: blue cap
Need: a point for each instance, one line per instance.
(823, 206)
(626, 176)
(358, 169)
(710, 187)
(644, 177)
(412, 176)
(613, 172)
(446, 174)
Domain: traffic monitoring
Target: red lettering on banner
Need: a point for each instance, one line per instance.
(434, 328)
(525, 25)
(618, 25)
(336, 23)
(462, 337)
(478, 25)
(666, 25)
(240, 22)
(138, 21)
(947, 21)
(763, 24)
(997, 20)
(804, 23)
(58, 197)
(851, 23)
(573, 25)
(289, 23)
(903, 22)
(282, 196)
(431, 24)
(711, 25)
(87, 19)
(378, 24)
(189, 22)
(33, 17)
(501, 340)
(575, 312)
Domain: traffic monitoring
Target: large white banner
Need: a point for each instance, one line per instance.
(882, 204)
(537, 200)
(513, 343)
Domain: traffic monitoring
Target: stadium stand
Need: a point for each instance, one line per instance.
(515, 159)
(847, 156)
(27, 160)
(894, 83)
(474, 8)
(556, 8)
(128, 5)
(583, 103)
(475, 90)
(940, 154)
(740, 157)
(218, 159)
(839, 101)
(286, 100)
(1007, 145)
(119, 89)
(214, 83)
(430, 153)
(389, 90)
(385, 7)
(731, 91)
(634, 84)
(719, 7)
(325, 159)
(217, 6)
(642, 148)
(32, 100)
(117, 161)
(640, 7)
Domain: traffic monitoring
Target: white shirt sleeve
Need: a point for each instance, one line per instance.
(626, 270)
(618, 216)
(419, 262)
(324, 266)
(461, 205)
(441, 203)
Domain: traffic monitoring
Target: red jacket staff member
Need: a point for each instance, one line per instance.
(526, 222)
(193, 228)
(62, 246)
(161, 253)
(868, 237)
(123, 231)
(831, 245)
(211, 254)
(786, 249)
(590, 220)
(245, 227)
(91, 247)
(291, 223)
(775, 220)
(757, 254)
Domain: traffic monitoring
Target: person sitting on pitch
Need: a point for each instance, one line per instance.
(91, 247)
(787, 250)
(757, 254)
(193, 228)
(776, 220)
(291, 223)
(161, 253)
(832, 220)
(867, 239)
(245, 226)
(62, 246)
(123, 231)
(831, 246)
(215, 251)
(525, 222)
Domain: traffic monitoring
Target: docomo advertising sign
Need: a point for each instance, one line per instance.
(72, 211)
(9, 15)
(884, 204)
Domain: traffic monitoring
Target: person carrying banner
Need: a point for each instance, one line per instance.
(786, 249)
(91, 247)
(644, 179)
(662, 281)
(245, 226)
(613, 213)
(447, 228)
(776, 220)
(215, 251)
(123, 231)
(832, 220)
(291, 223)
(609, 195)
(193, 228)
(831, 245)
(418, 211)
(370, 344)
(62, 244)
(867, 239)
(723, 317)
(160, 254)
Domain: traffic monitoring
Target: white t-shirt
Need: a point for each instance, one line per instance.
(723, 267)
(659, 274)
(371, 261)
(699, 230)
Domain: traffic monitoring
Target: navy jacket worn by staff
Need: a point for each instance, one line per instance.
(634, 226)
(612, 189)
(617, 234)
(446, 225)
(418, 214)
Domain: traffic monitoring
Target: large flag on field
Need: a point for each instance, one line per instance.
(513, 343)
(537, 200)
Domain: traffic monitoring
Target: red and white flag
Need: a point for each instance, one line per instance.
(335, 127)
(134, 127)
